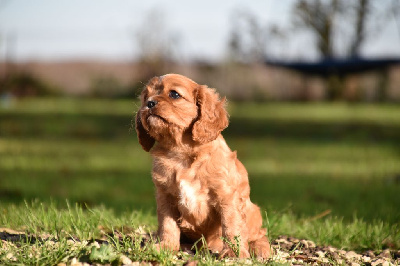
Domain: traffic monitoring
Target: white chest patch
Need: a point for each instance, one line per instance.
(188, 196)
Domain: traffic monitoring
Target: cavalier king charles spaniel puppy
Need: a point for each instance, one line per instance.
(202, 189)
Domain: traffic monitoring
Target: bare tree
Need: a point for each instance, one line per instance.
(11, 42)
(318, 17)
(153, 39)
(395, 12)
(156, 44)
(362, 10)
(248, 38)
(327, 19)
(2, 4)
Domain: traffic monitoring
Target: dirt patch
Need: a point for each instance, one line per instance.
(300, 251)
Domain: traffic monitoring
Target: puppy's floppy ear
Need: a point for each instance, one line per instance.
(212, 117)
(145, 139)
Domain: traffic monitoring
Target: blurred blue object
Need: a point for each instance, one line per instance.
(336, 66)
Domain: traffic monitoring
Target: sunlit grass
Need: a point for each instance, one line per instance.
(339, 160)
(73, 154)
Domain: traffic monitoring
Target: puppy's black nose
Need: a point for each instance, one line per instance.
(151, 104)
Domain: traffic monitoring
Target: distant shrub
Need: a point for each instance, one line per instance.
(111, 87)
(25, 84)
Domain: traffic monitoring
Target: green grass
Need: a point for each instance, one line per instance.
(69, 229)
(302, 159)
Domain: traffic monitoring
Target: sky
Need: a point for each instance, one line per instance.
(106, 29)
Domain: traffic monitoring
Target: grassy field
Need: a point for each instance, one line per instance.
(302, 159)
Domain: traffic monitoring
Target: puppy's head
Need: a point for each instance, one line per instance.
(173, 104)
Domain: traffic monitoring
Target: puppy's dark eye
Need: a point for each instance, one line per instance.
(174, 95)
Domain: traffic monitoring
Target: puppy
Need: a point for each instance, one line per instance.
(202, 189)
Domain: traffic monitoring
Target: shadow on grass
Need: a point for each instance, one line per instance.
(122, 190)
(76, 126)
(310, 195)
(314, 131)
(102, 126)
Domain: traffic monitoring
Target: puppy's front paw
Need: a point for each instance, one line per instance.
(228, 252)
(163, 245)
(261, 248)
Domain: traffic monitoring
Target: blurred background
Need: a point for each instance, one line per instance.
(313, 86)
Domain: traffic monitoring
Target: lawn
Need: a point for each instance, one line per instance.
(339, 159)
